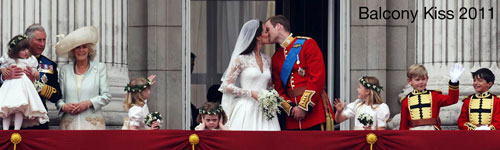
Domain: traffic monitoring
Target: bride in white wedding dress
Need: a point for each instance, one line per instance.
(247, 75)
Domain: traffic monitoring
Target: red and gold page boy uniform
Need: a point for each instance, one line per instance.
(480, 109)
(420, 109)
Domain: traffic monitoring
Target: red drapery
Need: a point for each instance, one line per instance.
(251, 140)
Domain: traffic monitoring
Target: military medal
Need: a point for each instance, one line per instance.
(44, 68)
(301, 71)
(44, 78)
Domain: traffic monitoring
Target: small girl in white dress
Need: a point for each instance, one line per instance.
(369, 104)
(18, 97)
(138, 92)
(211, 117)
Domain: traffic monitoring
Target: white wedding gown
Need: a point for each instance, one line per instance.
(243, 112)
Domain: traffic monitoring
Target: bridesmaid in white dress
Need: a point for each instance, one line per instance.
(246, 76)
(18, 97)
(369, 103)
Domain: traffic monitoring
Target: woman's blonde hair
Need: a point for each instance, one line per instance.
(374, 97)
(91, 55)
(134, 98)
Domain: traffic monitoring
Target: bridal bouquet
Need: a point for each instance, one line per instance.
(365, 119)
(269, 102)
(151, 117)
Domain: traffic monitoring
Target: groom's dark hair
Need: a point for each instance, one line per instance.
(252, 45)
(281, 20)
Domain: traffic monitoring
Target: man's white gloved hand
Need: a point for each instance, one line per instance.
(456, 72)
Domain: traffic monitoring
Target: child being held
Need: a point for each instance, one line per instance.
(18, 97)
(480, 111)
(211, 117)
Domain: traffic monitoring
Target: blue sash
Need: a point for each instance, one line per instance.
(286, 69)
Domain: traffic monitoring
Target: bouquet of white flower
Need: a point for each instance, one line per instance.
(151, 117)
(365, 119)
(269, 101)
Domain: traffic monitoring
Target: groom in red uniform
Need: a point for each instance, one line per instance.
(298, 72)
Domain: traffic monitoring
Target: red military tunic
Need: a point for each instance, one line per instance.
(485, 104)
(312, 68)
(425, 112)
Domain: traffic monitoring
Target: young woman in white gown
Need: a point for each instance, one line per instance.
(247, 75)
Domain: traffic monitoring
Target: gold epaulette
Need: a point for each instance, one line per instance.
(466, 97)
(303, 37)
(403, 98)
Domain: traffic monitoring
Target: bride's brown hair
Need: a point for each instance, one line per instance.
(252, 45)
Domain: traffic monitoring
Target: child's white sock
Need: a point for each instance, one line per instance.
(18, 121)
(6, 123)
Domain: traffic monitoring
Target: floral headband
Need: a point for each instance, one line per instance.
(370, 86)
(17, 40)
(137, 88)
(210, 112)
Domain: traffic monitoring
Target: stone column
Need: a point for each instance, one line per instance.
(156, 48)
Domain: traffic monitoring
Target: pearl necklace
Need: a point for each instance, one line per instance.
(77, 72)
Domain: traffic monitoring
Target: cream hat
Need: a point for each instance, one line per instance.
(76, 38)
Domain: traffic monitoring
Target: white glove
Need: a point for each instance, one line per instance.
(483, 128)
(456, 72)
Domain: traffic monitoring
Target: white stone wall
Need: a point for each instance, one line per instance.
(471, 42)
(64, 16)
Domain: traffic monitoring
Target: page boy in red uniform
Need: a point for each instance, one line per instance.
(420, 108)
(480, 111)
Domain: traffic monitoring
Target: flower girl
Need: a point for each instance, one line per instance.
(138, 92)
(369, 110)
(211, 117)
(19, 97)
